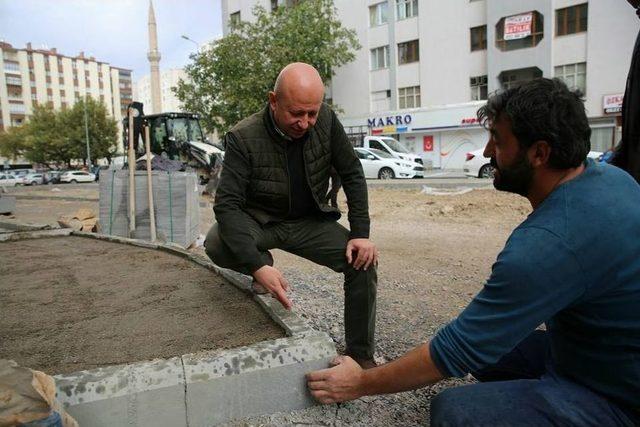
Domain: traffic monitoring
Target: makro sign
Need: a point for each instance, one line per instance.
(378, 122)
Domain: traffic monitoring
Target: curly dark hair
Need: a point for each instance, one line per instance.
(544, 109)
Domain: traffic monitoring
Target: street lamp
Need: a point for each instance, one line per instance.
(191, 40)
(86, 133)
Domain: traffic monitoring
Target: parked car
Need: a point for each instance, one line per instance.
(382, 165)
(33, 179)
(477, 165)
(8, 180)
(53, 177)
(77, 176)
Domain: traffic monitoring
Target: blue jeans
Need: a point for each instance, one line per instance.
(522, 390)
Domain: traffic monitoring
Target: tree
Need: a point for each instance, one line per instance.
(231, 79)
(59, 136)
(13, 142)
(103, 130)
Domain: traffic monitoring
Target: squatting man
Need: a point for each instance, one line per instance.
(573, 264)
(272, 194)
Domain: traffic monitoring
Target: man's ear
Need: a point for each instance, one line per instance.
(272, 100)
(539, 153)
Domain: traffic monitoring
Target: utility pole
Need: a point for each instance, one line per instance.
(86, 133)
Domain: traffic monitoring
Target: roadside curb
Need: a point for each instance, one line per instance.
(204, 388)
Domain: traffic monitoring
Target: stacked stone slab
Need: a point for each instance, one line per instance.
(176, 202)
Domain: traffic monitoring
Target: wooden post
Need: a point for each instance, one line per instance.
(152, 216)
(132, 178)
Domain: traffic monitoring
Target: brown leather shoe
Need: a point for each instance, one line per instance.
(365, 363)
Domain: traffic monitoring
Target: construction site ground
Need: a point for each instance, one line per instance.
(436, 251)
(72, 304)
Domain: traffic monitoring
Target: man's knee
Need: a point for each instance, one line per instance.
(214, 247)
(448, 408)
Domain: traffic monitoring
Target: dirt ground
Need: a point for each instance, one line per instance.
(73, 303)
(436, 252)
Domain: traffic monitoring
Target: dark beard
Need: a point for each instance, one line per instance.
(516, 178)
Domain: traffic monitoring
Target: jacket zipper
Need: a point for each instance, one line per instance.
(286, 164)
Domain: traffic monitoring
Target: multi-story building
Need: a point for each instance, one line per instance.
(426, 65)
(43, 76)
(168, 80)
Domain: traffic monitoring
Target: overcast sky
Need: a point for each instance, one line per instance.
(113, 31)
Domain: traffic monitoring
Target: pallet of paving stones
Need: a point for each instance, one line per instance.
(176, 203)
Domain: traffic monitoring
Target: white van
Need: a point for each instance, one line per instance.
(395, 148)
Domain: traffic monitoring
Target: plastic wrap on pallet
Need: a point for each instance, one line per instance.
(176, 203)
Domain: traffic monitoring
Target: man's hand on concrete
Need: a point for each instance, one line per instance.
(274, 282)
(340, 383)
(366, 253)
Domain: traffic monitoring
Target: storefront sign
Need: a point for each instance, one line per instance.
(470, 121)
(427, 143)
(518, 27)
(376, 122)
(612, 103)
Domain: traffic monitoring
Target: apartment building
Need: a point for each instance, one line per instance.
(43, 76)
(168, 80)
(426, 66)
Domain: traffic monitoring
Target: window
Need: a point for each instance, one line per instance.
(478, 88)
(234, 18)
(380, 100)
(409, 97)
(380, 57)
(378, 14)
(514, 78)
(478, 38)
(572, 19)
(408, 52)
(34, 96)
(376, 144)
(406, 9)
(11, 66)
(519, 40)
(274, 5)
(573, 75)
(602, 138)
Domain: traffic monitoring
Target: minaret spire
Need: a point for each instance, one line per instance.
(154, 61)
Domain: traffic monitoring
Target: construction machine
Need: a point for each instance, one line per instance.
(176, 136)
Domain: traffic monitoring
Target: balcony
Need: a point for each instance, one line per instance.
(14, 81)
(18, 109)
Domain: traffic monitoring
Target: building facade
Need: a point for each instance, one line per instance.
(168, 80)
(426, 66)
(43, 76)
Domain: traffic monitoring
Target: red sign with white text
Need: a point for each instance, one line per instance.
(518, 27)
(427, 143)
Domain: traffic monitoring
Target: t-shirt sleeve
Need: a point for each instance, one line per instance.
(535, 276)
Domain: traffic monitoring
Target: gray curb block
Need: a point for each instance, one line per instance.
(204, 388)
(14, 225)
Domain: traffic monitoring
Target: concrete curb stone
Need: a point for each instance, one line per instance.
(200, 389)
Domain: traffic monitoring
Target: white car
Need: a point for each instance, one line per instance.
(8, 180)
(33, 179)
(382, 165)
(479, 166)
(77, 176)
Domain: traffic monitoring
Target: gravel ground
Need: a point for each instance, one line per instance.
(435, 253)
(436, 250)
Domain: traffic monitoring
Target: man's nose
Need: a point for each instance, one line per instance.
(488, 150)
(305, 123)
